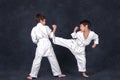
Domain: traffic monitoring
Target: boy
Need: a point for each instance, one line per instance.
(77, 45)
(40, 35)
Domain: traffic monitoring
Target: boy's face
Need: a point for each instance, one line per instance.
(82, 27)
(43, 21)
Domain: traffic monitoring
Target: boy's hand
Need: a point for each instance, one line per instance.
(54, 27)
(94, 45)
(76, 28)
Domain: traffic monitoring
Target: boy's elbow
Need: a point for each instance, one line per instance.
(96, 42)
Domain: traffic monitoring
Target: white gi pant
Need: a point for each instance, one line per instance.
(44, 50)
(77, 51)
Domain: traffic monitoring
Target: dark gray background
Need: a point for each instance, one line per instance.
(17, 20)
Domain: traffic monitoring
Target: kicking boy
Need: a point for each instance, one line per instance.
(40, 35)
(77, 45)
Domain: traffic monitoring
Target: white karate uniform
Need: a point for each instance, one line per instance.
(40, 35)
(77, 46)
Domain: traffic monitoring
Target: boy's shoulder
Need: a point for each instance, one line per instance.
(46, 25)
(79, 32)
(34, 28)
(92, 32)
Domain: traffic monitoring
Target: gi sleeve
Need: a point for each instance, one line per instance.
(74, 35)
(96, 38)
(34, 36)
(50, 33)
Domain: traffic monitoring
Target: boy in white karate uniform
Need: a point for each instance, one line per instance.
(40, 35)
(77, 45)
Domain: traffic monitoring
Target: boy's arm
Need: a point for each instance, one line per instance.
(33, 36)
(74, 32)
(52, 32)
(96, 40)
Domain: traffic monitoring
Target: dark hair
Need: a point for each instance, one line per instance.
(86, 22)
(39, 17)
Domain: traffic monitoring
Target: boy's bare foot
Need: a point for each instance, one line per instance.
(29, 78)
(61, 75)
(85, 75)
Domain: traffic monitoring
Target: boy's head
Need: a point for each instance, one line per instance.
(40, 18)
(84, 25)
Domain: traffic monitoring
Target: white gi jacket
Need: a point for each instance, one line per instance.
(82, 42)
(40, 35)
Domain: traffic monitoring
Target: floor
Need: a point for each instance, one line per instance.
(110, 74)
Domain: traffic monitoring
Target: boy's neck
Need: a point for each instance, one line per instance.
(87, 31)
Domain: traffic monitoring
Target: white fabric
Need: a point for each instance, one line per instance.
(77, 46)
(40, 35)
(82, 41)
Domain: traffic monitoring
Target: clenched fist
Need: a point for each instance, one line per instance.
(76, 28)
(54, 27)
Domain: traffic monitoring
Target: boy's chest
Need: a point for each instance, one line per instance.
(86, 37)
